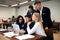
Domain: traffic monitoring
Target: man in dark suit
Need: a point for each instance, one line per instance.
(44, 14)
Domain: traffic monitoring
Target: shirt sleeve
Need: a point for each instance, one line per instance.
(33, 30)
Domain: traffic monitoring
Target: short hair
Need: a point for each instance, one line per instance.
(37, 2)
(30, 6)
(29, 16)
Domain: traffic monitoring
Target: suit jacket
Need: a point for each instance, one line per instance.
(46, 17)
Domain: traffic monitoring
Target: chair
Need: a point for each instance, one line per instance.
(49, 34)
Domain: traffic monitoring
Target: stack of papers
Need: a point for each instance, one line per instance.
(10, 34)
(26, 36)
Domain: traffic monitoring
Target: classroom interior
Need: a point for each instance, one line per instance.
(10, 8)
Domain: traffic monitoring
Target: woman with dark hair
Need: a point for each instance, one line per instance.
(20, 21)
(19, 25)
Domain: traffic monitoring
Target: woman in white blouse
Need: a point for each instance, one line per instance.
(38, 27)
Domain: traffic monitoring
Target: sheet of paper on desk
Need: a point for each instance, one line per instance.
(26, 36)
(10, 34)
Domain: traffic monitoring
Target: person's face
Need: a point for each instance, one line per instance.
(20, 20)
(27, 19)
(34, 18)
(38, 6)
(30, 9)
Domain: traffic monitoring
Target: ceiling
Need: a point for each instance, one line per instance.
(11, 2)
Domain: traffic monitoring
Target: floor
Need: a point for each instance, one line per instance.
(56, 35)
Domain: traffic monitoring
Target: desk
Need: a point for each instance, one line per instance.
(37, 37)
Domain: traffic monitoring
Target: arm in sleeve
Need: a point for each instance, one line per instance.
(33, 30)
(48, 12)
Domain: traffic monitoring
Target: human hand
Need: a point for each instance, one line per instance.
(22, 31)
(28, 24)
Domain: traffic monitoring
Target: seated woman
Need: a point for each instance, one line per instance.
(20, 22)
(38, 27)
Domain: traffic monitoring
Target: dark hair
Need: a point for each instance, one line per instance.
(17, 21)
(13, 16)
(29, 16)
(37, 2)
(30, 6)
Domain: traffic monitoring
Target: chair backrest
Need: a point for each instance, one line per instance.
(49, 34)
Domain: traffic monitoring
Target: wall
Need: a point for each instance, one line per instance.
(54, 8)
(53, 5)
(6, 12)
(22, 10)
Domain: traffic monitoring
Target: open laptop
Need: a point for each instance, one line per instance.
(16, 27)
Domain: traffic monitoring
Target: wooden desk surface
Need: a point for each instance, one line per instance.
(37, 37)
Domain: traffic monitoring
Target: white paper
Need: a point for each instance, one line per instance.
(26, 36)
(16, 27)
(10, 34)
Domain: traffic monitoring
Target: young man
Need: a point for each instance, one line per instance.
(28, 18)
(30, 10)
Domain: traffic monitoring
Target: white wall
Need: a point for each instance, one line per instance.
(53, 5)
(6, 12)
(22, 10)
(54, 8)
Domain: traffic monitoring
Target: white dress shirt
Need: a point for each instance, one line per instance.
(36, 29)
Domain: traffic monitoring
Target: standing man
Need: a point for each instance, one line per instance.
(30, 10)
(44, 13)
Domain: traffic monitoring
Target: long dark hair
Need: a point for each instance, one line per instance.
(17, 21)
